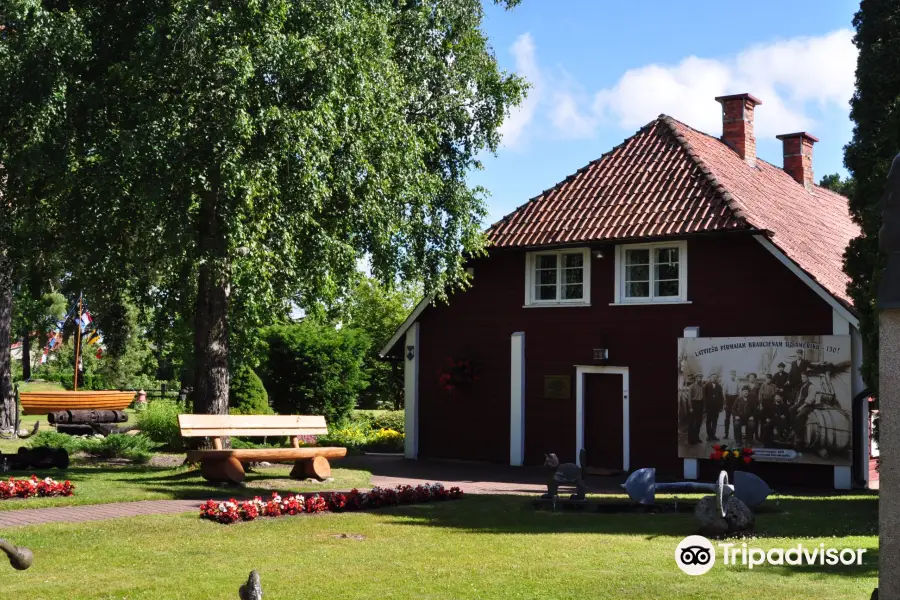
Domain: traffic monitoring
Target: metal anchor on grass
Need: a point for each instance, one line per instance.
(20, 557)
(747, 487)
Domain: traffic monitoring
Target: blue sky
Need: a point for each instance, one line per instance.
(601, 69)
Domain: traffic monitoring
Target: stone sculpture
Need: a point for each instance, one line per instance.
(252, 590)
(565, 474)
(20, 557)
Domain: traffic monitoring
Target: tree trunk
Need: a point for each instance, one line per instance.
(211, 377)
(7, 399)
(26, 353)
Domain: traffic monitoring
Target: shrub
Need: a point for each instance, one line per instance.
(314, 369)
(133, 447)
(347, 437)
(52, 439)
(117, 445)
(385, 440)
(379, 419)
(247, 395)
(159, 422)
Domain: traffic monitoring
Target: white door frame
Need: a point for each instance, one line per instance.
(580, 372)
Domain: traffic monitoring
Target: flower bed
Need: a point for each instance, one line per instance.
(231, 511)
(28, 488)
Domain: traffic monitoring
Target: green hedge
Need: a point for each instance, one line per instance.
(314, 369)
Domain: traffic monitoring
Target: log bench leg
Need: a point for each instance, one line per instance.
(315, 468)
(228, 470)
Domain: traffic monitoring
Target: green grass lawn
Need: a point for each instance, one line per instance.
(101, 485)
(476, 548)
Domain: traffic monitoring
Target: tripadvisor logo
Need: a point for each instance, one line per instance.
(695, 555)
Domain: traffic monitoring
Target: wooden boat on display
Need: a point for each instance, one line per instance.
(41, 403)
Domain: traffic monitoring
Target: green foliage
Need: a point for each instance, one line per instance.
(352, 437)
(385, 440)
(875, 111)
(314, 369)
(52, 439)
(240, 156)
(16, 371)
(136, 448)
(378, 419)
(247, 395)
(833, 182)
(159, 422)
(378, 310)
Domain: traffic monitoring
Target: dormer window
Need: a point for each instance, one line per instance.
(558, 278)
(651, 273)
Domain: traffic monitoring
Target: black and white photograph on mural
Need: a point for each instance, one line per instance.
(787, 397)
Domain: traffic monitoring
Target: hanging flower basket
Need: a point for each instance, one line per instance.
(456, 373)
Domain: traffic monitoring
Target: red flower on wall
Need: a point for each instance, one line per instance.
(455, 373)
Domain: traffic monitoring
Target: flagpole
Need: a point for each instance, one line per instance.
(78, 340)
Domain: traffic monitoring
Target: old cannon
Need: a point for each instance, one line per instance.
(747, 487)
(19, 557)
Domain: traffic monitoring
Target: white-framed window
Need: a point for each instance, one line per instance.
(558, 277)
(651, 273)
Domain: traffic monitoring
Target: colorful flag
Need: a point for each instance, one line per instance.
(93, 338)
(44, 357)
(52, 341)
(86, 318)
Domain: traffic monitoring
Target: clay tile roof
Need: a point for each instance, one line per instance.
(670, 180)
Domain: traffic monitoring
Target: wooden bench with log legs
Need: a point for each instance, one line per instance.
(225, 465)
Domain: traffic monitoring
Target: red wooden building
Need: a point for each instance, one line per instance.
(573, 319)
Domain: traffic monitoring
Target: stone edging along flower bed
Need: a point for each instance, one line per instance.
(29, 488)
(231, 511)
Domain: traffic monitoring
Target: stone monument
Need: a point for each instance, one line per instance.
(889, 391)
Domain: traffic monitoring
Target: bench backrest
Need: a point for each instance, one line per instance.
(251, 425)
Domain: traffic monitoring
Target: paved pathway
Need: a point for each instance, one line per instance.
(473, 478)
(94, 512)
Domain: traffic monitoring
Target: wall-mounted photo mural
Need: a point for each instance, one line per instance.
(787, 397)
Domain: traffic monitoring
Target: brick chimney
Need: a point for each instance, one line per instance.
(737, 124)
(798, 151)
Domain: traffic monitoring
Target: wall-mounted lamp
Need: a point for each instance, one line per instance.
(598, 254)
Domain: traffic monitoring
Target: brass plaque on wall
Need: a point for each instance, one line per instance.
(557, 387)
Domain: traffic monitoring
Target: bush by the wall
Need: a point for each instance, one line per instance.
(159, 422)
(247, 395)
(385, 440)
(379, 419)
(314, 369)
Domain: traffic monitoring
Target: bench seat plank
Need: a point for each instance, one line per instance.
(239, 431)
(266, 454)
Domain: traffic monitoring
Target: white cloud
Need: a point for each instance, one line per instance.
(786, 75)
(513, 128)
(789, 76)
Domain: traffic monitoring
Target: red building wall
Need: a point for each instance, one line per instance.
(736, 288)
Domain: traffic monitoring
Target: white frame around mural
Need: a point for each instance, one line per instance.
(580, 372)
